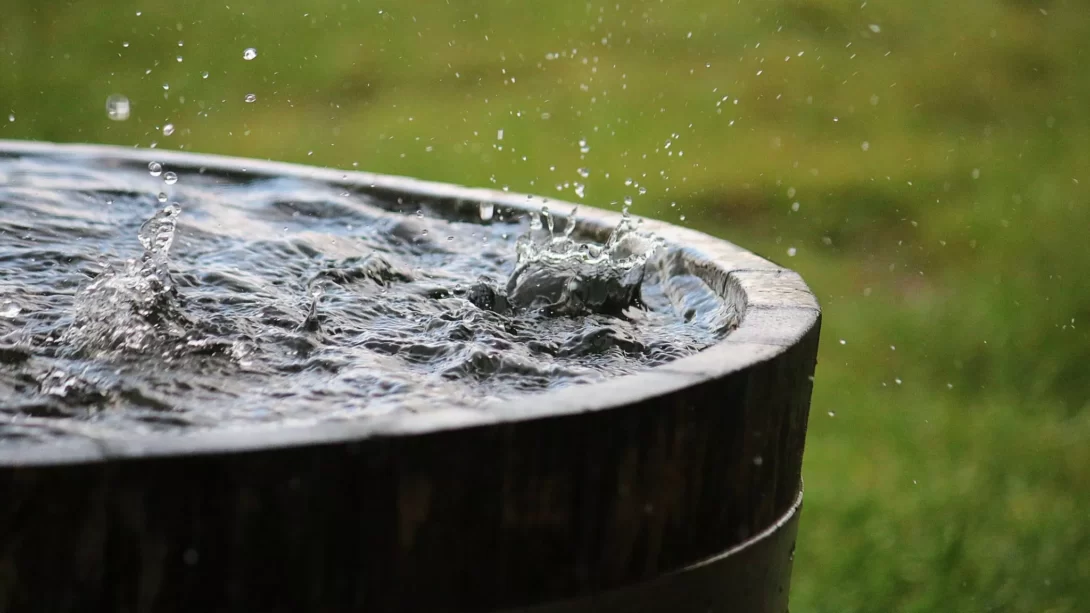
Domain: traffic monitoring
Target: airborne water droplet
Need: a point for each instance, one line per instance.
(249, 54)
(118, 107)
(168, 129)
(170, 178)
(155, 169)
(250, 98)
(487, 209)
(162, 197)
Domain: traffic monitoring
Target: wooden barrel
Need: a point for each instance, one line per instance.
(677, 489)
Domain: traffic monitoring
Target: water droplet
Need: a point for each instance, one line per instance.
(583, 146)
(832, 413)
(843, 342)
(791, 192)
(204, 75)
(249, 54)
(976, 173)
(584, 172)
(875, 28)
(166, 86)
(628, 201)
(569, 226)
(795, 206)
(580, 190)
(250, 98)
(487, 210)
(125, 44)
(791, 251)
(168, 129)
(865, 146)
(170, 178)
(499, 134)
(642, 190)
(758, 460)
(162, 197)
(179, 58)
(118, 107)
(11, 118)
(155, 168)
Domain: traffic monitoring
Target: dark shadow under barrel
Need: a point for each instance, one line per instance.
(674, 490)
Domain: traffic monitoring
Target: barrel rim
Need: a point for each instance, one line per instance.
(776, 311)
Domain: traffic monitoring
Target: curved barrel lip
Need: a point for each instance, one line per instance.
(776, 310)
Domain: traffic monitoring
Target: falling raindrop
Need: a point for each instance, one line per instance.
(118, 107)
(162, 197)
(168, 129)
(155, 168)
(249, 54)
(170, 178)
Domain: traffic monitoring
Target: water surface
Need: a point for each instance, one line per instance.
(135, 300)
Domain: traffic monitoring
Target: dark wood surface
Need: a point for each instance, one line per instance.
(555, 497)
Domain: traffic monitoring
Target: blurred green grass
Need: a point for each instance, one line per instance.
(938, 153)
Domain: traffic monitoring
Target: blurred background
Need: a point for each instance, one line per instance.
(924, 165)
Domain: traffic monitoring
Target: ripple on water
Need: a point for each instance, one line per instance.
(279, 300)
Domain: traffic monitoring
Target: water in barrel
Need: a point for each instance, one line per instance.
(140, 299)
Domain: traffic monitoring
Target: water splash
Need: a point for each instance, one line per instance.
(560, 276)
(132, 307)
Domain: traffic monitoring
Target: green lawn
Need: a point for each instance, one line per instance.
(939, 153)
